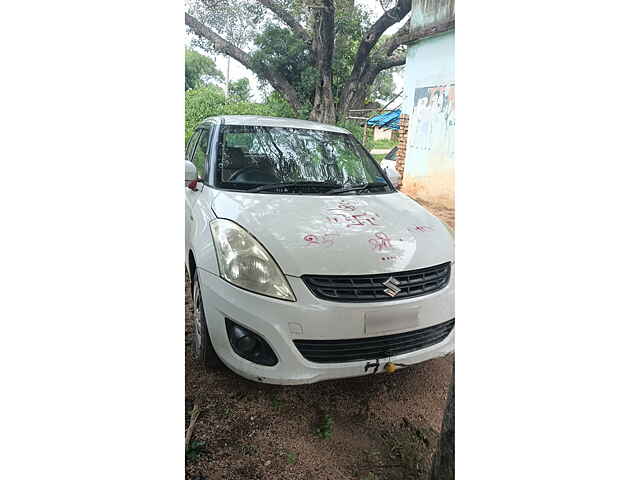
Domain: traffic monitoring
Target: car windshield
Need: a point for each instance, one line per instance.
(285, 160)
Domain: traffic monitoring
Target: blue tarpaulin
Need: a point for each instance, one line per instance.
(386, 120)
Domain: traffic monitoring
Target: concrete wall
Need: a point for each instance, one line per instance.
(429, 12)
(381, 134)
(430, 104)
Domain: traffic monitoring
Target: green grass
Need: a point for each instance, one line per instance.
(378, 156)
(292, 458)
(384, 143)
(196, 447)
(325, 429)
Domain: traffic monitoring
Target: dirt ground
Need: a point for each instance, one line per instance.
(444, 212)
(368, 428)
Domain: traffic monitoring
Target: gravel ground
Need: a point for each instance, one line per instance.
(382, 427)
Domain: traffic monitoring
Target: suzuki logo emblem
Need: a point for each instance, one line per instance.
(392, 287)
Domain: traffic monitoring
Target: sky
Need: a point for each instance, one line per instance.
(237, 70)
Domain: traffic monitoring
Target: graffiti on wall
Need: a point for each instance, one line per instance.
(433, 120)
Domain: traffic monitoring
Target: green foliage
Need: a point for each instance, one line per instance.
(383, 87)
(358, 131)
(385, 143)
(210, 101)
(279, 49)
(199, 104)
(240, 90)
(198, 69)
(279, 107)
(351, 22)
(325, 429)
(275, 47)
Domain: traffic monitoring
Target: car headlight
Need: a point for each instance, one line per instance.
(247, 264)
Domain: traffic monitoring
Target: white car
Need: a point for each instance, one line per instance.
(306, 263)
(388, 164)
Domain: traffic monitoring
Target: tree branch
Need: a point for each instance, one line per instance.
(287, 18)
(218, 43)
(361, 61)
(276, 79)
(395, 40)
(394, 61)
(381, 25)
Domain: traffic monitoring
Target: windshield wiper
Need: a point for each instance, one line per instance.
(359, 188)
(275, 186)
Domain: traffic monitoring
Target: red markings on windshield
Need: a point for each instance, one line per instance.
(380, 241)
(327, 239)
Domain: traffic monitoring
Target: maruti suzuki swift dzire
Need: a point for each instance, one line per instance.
(306, 263)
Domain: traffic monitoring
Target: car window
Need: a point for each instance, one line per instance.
(200, 157)
(256, 155)
(392, 154)
(188, 153)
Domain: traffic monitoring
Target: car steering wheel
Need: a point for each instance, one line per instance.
(252, 174)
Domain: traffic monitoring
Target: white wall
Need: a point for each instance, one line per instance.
(429, 62)
(430, 104)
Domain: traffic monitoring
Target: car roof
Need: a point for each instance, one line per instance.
(274, 122)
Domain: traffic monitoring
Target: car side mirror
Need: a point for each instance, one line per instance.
(190, 172)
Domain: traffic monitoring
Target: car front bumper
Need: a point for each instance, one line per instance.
(280, 323)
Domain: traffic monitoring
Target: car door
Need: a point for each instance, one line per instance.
(188, 216)
(193, 197)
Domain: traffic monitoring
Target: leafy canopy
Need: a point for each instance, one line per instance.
(210, 101)
(199, 70)
(240, 90)
(299, 47)
(280, 49)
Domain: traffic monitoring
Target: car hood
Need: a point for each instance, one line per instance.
(340, 235)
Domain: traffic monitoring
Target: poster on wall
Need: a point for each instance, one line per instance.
(432, 123)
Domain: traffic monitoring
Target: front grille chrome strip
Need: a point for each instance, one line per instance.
(378, 288)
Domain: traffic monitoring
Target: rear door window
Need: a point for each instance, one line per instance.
(191, 146)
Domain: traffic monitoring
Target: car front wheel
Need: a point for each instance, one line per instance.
(202, 346)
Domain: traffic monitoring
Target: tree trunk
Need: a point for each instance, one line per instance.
(321, 37)
(324, 109)
(443, 464)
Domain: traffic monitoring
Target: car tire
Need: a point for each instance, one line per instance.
(201, 341)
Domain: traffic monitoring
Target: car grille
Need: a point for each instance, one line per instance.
(370, 288)
(358, 349)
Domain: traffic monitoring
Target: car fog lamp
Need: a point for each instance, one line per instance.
(250, 345)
